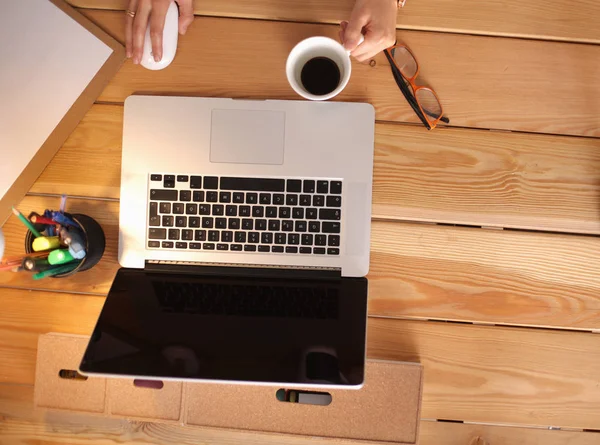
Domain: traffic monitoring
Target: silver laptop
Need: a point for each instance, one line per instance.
(254, 216)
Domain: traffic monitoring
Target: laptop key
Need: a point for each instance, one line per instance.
(154, 221)
(278, 199)
(185, 195)
(305, 250)
(167, 244)
(221, 223)
(178, 208)
(187, 235)
(298, 213)
(294, 185)
(191, 209)
(238, 198)
(287, 226)
(253, 237)
(227, 236)
(249, 248)
(334, 201)
(319, 201)
(334, 240)
(181, 221)
(195, 246)
(333, 251)
(280, 238)
(240, 237)
(309, 186)
(196, 182)
(260, 224)
(231, 210)
(211, 182)
(207, 222)
(247, 224)
(181, 245)
(312, 213)
(285, 212)
(266, 238)
(323, 187)
(305, 200)
(165, 207)
(153, 209)
(293, 238)
(330, 214)
(307, 240)
(213, 235)
(174, 234)
(218, 209)
(254, 184)
(167, 221)
(314, 226)
(155, 177)
(193, 222)
(291, 200)
(258, 211)
(222, 247)
(300, 226)
(245, 211)
(319, 250)
(236, 247)
(277, 249)
(154, 243)
(198, 196)
(157, 233)
(271, 212)
(163, 195)
(265, 198)
(169, 181)
(212, 196)
(183, 178)
(200, 235)
(225, 197)
(264, 248)
(291, 249)
(234, 223)
(251, 198)
(204, 209)
(335, 188)
(331, 227)
(274, 225)
(320, 240)
(208, 246)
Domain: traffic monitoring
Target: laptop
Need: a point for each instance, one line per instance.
(244, 236)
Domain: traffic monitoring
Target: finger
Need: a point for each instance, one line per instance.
(358, 20)
(365, 50)
(157, 25)
(129, 29)
(343, 26)
(186, 15)
(140, 24)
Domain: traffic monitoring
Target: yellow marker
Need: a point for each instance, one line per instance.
(45, 243)
(60, 256)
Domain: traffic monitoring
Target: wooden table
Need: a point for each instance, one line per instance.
(485, 259)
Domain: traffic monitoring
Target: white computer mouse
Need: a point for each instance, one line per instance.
(170, 34)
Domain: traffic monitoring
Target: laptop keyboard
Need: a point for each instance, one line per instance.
(241, 214)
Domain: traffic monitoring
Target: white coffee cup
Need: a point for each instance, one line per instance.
(317, 47)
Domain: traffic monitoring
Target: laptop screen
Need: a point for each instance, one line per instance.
(166, 325)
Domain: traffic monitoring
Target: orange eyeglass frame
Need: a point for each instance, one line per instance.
(431, 124)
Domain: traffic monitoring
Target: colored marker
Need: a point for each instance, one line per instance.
(60, 256)
(35, 264)
(26, 222)
(37, 219)
(63, 220)
(55, 270)
(77, 250)
(45, 243)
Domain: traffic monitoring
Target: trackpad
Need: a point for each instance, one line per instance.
(247, 136)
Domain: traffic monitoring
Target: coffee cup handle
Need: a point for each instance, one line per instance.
(362, 39)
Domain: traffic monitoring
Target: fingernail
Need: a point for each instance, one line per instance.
(136, 60)
(157, 58)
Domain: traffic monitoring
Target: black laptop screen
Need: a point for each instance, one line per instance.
(237, 329)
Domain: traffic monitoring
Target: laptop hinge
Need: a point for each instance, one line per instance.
(243, 270)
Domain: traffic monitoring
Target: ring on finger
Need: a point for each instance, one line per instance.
(130, 13)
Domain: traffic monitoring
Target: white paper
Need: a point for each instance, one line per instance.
(47, 59)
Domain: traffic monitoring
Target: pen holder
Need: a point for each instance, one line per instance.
(95, 242)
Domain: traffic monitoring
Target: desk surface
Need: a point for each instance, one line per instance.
(485, 259)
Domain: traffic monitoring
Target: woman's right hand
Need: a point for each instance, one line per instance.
(153, 12)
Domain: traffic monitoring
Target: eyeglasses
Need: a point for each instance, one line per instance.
(423, 100)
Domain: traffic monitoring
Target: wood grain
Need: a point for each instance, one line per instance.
(454, 176)
(555, 19)
(483, 82)
(19, 424)
(472, 373)
(417, 270)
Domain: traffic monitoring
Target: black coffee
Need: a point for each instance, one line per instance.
(320, 76)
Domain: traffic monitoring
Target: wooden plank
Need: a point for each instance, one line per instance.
(575, 20)
(417, 270)
(483, 82)
(454, 176)
(472, 373)
(19, 424)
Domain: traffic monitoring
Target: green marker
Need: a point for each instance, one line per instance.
(59, 256)
(55, 270)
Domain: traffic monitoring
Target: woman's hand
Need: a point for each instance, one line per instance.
(153, 11)
(376, 20)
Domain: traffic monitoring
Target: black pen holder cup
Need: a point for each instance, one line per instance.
(94, 239)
